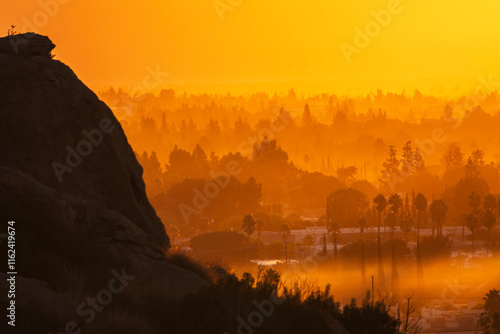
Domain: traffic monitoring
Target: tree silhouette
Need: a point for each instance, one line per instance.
(438, 210)
(381, 203)
(396, 203)
(488, 220)
(346, 205)
(391, 167)
(406, 223)
(362, 223)
(285, 232)
(473, 223)
(472, 220)
(490, 318)
(307, 119)
(490, 202)
(421, 206)
(249, 225)
(308, 240)
(334, 228)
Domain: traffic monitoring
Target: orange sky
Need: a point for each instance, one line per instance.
(436, 46)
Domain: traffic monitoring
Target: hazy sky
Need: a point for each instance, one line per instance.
(437, 46)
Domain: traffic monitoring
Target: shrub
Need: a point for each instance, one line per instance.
(120, 322)
(433, 248)
(224, 244)
(187, 262)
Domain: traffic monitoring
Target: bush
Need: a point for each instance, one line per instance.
(273, 250)
(224, 244)
(434, 248)
(187, 262)
(120, 322)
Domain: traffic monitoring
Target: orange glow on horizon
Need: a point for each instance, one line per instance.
(437, 47)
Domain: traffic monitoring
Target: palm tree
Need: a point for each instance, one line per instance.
(308, 240)
(249, 226)
(362, 223)
(488, 220)
(490, 319)
(473, 223)
(492, 301)
(396, 203)
(285, 234)
(381, 204)
(470, 220)
(335, 228)
(438, 210)
(421, 205)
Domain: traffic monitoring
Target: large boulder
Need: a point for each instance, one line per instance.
(55, 130)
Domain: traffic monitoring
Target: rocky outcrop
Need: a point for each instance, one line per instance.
(36, 302)
(26, 45)
(66, 166)
(54, 129)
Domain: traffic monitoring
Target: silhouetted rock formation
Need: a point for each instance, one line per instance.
(26, 45)
(52, 130)
(65, 165)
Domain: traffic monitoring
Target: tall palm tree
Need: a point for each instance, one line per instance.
(421, 206)
(334, 228)
(285, 234)
(396, 203)
(472, 220)
(381, 203)
(488, 220)
(362, 223)
(249, 226)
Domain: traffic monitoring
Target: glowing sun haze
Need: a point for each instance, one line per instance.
(440, 47)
